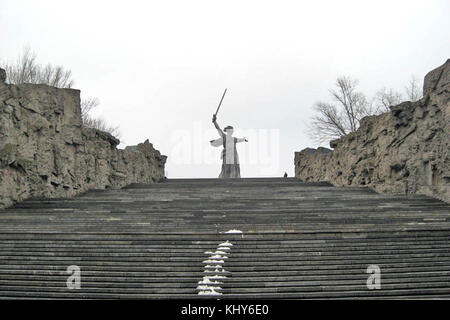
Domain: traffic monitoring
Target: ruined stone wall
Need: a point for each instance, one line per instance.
(45, 152)
(402, 151)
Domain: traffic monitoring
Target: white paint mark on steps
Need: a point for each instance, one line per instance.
(213, 261)
(210, 292)
(215, 271)
(213, 267)
(207, 290)
(217, 277)
(225, 244)
(207, 280)
(209, 285)
(216, 252)
(233, 231)
(218, 256)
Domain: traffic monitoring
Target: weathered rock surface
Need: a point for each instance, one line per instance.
(45, 152)
(2, 75)
(402, 151)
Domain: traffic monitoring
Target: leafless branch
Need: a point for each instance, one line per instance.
(413, 91)
(384, 98)
(100, 124)
(26, 70)
(337, 120)
(87, 105)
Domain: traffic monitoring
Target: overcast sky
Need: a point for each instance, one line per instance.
(159, 67)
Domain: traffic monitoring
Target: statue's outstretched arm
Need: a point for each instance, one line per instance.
(241, 139)
(217, 126)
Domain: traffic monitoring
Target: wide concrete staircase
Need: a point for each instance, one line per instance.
(210, 238)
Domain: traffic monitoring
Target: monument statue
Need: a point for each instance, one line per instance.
(230, 158)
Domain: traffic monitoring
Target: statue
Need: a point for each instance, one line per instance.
(230, 158)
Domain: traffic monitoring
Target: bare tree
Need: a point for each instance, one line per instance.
(26, 70)
(56, 76)
(100, 124)
(23, 70)
(413, 90)
(335, 120)
(87, 105)
(384, 98)
(327, 124)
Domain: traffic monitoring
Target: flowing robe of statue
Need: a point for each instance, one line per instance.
(230, 157)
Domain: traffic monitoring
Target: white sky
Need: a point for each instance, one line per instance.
(160, 67)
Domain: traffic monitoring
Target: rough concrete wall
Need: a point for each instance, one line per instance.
(45, 152)
(402, 151)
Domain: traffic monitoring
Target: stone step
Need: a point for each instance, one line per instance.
(298, 240)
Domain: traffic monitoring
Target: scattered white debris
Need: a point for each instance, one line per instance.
(207, 280)
(213, 261)
(208, 288)
(216, 252)
(213, 268)
(210, 292)
(225, 244)
(218, 256)
(217, 277)
(215, 271)
(202, 287)
(233, 231)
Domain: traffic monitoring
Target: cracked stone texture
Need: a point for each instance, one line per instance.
(45, 152)
(402, 151)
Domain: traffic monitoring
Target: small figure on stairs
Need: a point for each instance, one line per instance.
(230, 158)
